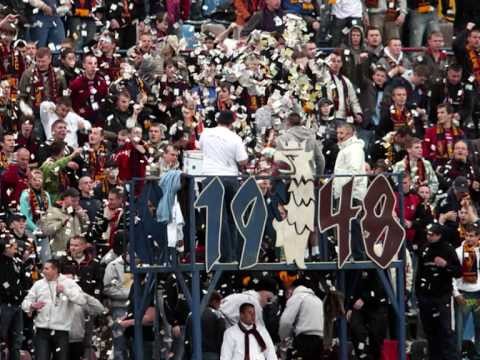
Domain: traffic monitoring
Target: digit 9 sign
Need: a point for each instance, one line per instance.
(382, 233)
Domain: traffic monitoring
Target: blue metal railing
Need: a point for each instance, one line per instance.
(197, 304)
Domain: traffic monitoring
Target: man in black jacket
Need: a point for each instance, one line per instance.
(367, 313)
(438, 265)
(82, 266)
(454, 91)
(13, 288)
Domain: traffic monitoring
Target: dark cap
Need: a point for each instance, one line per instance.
(17, 217)
(460, 184)
(70, 192)
(324, 101)
(435, 228)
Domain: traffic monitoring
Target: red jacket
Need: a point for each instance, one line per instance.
(435, 149)
(410, 203)
(88, 97)
(13, 181)
(131, 163)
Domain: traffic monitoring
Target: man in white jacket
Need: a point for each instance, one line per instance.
(246, 339)
(51, 301)
(303, 318)
(351, 161)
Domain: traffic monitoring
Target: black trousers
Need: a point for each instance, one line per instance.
(436, 317)
(51, 342)
(308, 347)
(369, 329)
(76, 350)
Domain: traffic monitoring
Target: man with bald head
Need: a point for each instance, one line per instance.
(15, 178)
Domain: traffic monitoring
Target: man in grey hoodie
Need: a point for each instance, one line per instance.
(303, 318)
(295, 134)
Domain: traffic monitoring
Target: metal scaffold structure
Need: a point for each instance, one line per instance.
(149, 262)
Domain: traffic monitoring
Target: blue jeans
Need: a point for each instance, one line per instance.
(337, 28)
(421, 24)
(119, 342)
(52, 31)
(461, 316)
(45, 253)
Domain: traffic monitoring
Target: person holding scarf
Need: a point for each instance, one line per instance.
(467, 288)
(394, 60)
(398, 115)
(246, 340)
(340, 91)
(467, 52)
(440, 139)
(41, 82)
(420, 170)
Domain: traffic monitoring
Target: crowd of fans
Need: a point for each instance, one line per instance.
(94, 94)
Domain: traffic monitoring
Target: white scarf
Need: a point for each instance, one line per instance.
(390, 56)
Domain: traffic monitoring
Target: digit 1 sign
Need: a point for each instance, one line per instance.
(250, 198)
(212, 198)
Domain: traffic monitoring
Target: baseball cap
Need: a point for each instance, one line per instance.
(435, 228)
(460, 184)
(17, 217)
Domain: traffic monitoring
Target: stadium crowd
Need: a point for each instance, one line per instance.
(94, 94)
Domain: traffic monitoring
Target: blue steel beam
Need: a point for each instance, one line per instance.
(196, 268)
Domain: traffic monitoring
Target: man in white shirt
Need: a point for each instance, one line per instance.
(346, 13)
(351, 161)
(224, 154)
(50, 112)
(466, 289)
(223, 150)
(51, 301)
(246, 340)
